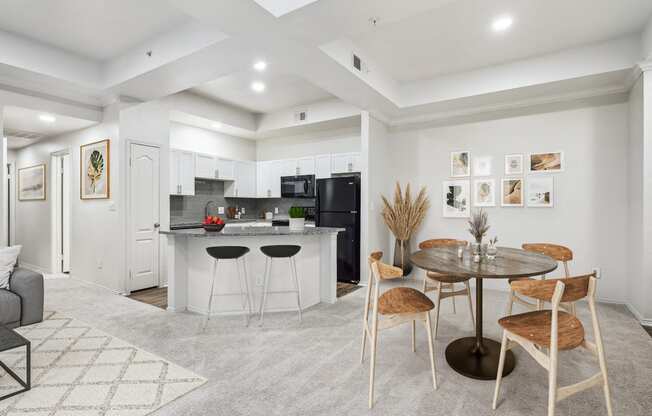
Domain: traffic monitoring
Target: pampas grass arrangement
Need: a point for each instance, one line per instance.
(404, 216)
(479, 225)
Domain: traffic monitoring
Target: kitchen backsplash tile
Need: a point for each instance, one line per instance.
(190, 209)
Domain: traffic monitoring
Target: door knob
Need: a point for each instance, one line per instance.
(157, 225)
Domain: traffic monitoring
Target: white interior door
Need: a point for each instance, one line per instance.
(145, 216)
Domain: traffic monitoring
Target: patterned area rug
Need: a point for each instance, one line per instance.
(78, 370)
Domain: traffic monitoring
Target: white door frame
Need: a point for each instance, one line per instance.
(128, 222)
(11, 204)
(55, 159)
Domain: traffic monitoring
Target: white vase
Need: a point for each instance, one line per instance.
(297, 224)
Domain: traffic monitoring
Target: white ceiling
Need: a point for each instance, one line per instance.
(25, 122)
(458, 37)
(282, 91)
(97, 29)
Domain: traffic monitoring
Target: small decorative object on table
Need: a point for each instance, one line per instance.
(460, 251)
(403, 217)
(297, 218)
(213, 223)
(492, 250)
(478, 227)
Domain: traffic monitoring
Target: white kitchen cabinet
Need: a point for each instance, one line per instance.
(345, 163)
(205, 166)
(288, 167)
(182, 172)
(269, 178)
(225, 169)
(322, 166)
(244, 183)
(305, 166)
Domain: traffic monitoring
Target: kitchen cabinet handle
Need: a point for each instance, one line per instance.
(298, 170)
(350, 167)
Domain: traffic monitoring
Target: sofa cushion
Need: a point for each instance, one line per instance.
(9, 307)
(8, 257)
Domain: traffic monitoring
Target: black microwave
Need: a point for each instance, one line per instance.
(302, 186)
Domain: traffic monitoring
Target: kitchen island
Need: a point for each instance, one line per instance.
(189, 268)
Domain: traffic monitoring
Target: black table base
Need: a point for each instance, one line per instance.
(479, 363)
(27, 383)
(477, 357)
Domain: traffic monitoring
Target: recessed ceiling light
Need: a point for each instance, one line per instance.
(217, 125)
(502, 23)
(258, 86)
(260, 66)
(47, 118)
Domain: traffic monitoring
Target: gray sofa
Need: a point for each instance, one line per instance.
(22, 303)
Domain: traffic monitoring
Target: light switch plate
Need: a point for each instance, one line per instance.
(220, 210)
(242, 210)
(276, 210)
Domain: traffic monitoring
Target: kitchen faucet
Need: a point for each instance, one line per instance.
(206, 207)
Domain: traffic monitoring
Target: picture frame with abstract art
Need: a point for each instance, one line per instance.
(482, 165)
(484, 193)
(95, 170)
(514, 164)
(31, 183)
(547, 162)
(540, 192)
(460, 164)
(456, 199)
(511, 192)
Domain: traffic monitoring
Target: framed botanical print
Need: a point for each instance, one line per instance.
(549, 162)
(484, 193)
(456, 199)
(95, 169)
(512, 192)
(540, 192)
(514, 164)
(460, 164)
(31, 183)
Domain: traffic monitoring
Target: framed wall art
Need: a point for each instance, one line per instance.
(456, 199)
(514, 164)
(512, 192)
(31, 183)
(540, 192)
(95, 169)
(484, 193)
(546, 162)
(482, 166)
(460, 164)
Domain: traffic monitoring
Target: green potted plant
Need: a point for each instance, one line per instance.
(297, 218)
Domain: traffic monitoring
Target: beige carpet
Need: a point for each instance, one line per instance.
(79, 370)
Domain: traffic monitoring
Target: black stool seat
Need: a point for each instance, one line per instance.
(280, 251)
(227, 252)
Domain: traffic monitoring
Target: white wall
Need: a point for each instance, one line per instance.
(97, 226)
(591, 201)
(331, 141)
(200, 140)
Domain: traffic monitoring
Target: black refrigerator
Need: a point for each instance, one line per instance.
(337, 204)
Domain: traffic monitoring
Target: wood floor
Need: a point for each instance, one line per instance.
(344, 289)
(156, 296)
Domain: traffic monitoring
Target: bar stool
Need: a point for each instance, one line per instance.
(230, 253)
(276, 252)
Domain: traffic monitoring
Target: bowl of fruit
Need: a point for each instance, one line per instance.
(213, 223)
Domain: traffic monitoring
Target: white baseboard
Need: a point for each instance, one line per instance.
(114, 291)
(638, 315)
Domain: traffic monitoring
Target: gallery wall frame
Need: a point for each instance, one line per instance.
(456, 198)
(540, 192)
(31, 184)
(511, 192)
(460, 164)
(546, 162)
(514, 164)
(484, 192)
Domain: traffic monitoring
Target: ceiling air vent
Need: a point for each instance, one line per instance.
(357, 63)
(300, 116)
(23, 134)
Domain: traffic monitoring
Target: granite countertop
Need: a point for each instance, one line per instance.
(235, 231)
(198, 224)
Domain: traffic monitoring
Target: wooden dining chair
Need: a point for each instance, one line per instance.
(443, 284)
(398, 306)
(555, 330)
(559, 253)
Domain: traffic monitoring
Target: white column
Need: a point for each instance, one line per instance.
(4, 192)
(177, 266)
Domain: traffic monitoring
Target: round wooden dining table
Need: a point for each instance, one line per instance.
(477, 357)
